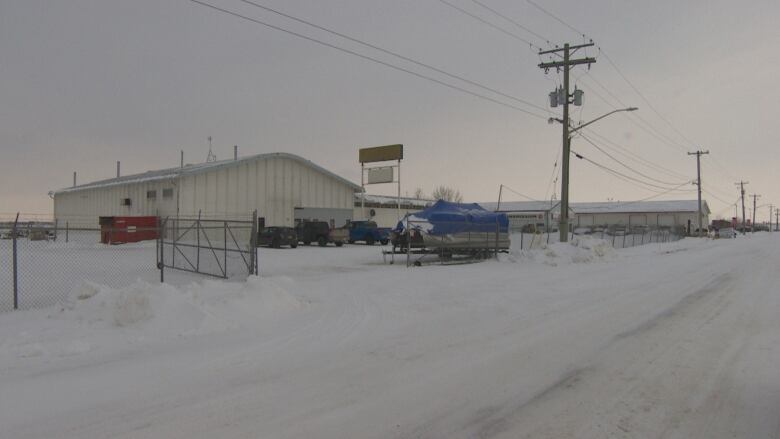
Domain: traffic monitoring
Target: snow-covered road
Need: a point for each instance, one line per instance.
(676, 340)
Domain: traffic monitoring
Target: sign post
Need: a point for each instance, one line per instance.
(382, 174)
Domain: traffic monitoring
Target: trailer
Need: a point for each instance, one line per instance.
(451, 232)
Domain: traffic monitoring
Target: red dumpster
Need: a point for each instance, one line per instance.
(123, 229)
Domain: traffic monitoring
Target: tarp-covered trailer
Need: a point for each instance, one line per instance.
(455, 226)
(124, 229)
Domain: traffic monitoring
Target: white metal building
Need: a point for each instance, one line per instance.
(650, 213)
(282, 187)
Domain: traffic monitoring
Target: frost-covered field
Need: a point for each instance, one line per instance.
(663, 340)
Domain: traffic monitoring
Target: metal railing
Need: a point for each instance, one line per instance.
(213, 247)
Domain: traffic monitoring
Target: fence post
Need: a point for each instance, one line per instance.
(55, 229)
(67, 229)
(162, 250)
(224, 231)
(197, 228)
(408, 244)
(498, 231)
(253, 243)
(15, 264)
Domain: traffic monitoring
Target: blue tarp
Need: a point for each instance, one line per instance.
(445, 218)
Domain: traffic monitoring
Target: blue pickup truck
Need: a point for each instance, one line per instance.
(368, 232)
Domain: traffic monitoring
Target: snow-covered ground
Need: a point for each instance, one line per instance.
(664, 340)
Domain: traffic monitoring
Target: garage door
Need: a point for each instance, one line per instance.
(638, 220)
(585, 220)
(665, 220)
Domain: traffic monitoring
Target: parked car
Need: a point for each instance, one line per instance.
(368, 232)
(276, 237)
(320, 232)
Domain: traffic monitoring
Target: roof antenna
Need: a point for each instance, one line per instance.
(211, 157)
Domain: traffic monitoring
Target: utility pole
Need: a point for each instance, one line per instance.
(771, 207)
(742, 196)
(565, 64)
(753, 221)
(777, 217)
(698, 155)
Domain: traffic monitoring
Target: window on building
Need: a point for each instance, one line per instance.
(151, 195)
(126, 202)
(167, 193)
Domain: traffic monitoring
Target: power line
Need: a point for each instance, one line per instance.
(650, 197)
(553, 175)
(369, 58)
(644, 98)
(634, 156)
(627, 177)
(550, 14)
(647, 127)
(717, 197)
(397, 55)
(498, 28)
(626, 166)
(518, 193)
(520, 26)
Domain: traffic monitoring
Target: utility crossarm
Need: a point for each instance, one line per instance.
(559, 64)
(559, 49)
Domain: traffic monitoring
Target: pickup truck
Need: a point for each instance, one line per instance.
(321, 233)
(368, 232)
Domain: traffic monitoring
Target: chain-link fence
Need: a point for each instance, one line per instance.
(43, 263)
(38, 269)
(619, 236)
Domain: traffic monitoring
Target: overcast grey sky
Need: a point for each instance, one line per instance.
(84, 83)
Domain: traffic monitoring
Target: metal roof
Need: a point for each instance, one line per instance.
(170, 173)
(603, 207)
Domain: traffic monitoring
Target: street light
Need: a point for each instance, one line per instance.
(568, 131)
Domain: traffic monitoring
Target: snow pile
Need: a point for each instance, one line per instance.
(210, 305)
(96, 315)
(581, 249)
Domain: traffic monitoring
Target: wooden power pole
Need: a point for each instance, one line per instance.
(698, 155)
(565, 64)
(742, 196)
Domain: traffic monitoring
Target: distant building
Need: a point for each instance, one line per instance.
(384, 209)
(282, 188)
(650, 213)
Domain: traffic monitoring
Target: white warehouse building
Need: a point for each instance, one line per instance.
(543, 214)
(282, 188)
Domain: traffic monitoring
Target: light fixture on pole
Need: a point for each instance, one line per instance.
(564, 216)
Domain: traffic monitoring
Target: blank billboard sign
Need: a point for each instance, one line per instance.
(380, 175)
(381, 153)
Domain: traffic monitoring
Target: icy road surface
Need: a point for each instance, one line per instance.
(676, 340)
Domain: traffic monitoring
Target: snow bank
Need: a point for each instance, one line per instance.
(581, 249)
(97, 315)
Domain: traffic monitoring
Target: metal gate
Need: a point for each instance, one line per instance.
(221, 248)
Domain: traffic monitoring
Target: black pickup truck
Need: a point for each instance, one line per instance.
(276, 237)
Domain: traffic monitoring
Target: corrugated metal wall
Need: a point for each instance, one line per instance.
(274, 186)
(83, 207)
